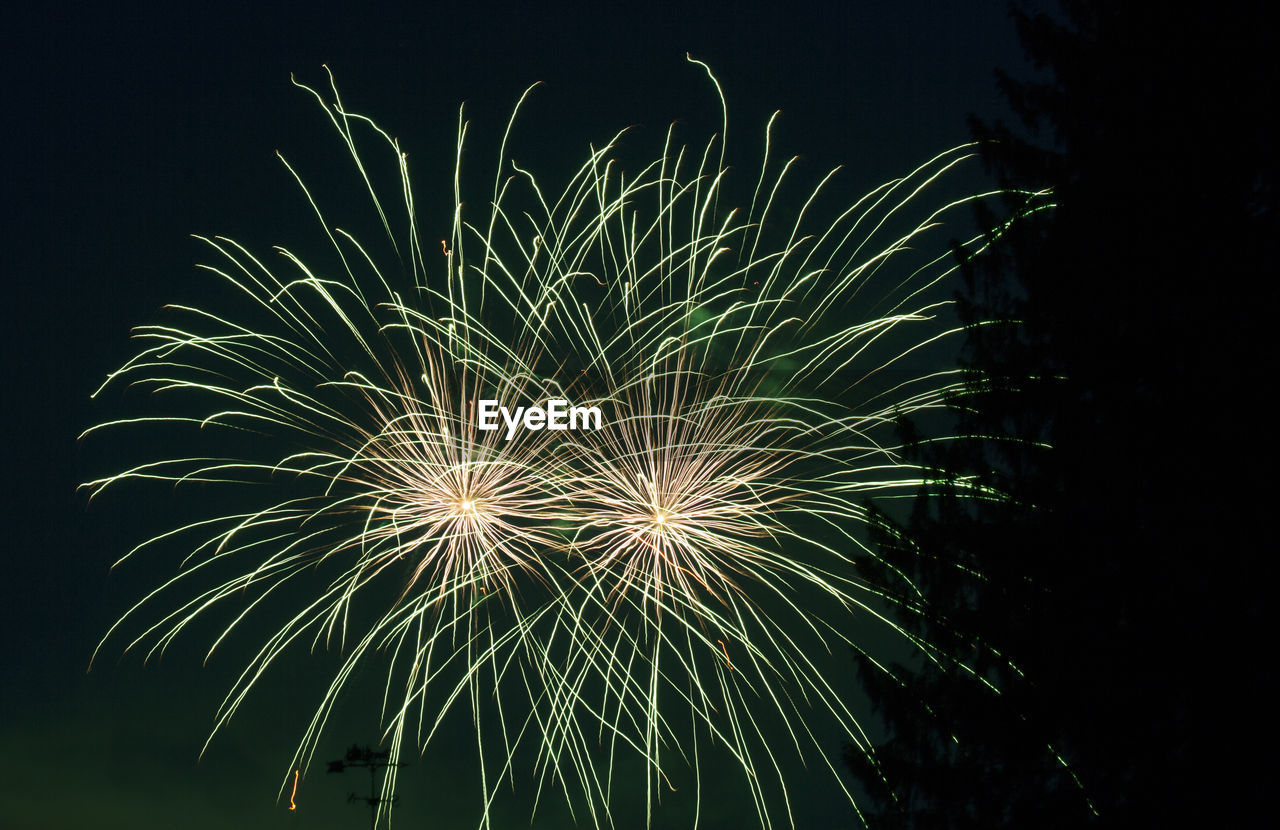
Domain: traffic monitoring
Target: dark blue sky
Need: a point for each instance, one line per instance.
(128, 130)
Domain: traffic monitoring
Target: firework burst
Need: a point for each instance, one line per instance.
(657, 587)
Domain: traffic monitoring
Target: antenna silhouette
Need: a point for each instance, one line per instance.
(358, 756)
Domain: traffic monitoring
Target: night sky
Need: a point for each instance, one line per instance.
(127, 131)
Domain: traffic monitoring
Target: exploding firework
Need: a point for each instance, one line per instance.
(647, 592)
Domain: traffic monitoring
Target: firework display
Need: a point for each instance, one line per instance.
(592, 471)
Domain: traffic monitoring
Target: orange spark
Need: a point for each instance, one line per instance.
(293, 806)
(725, 649)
